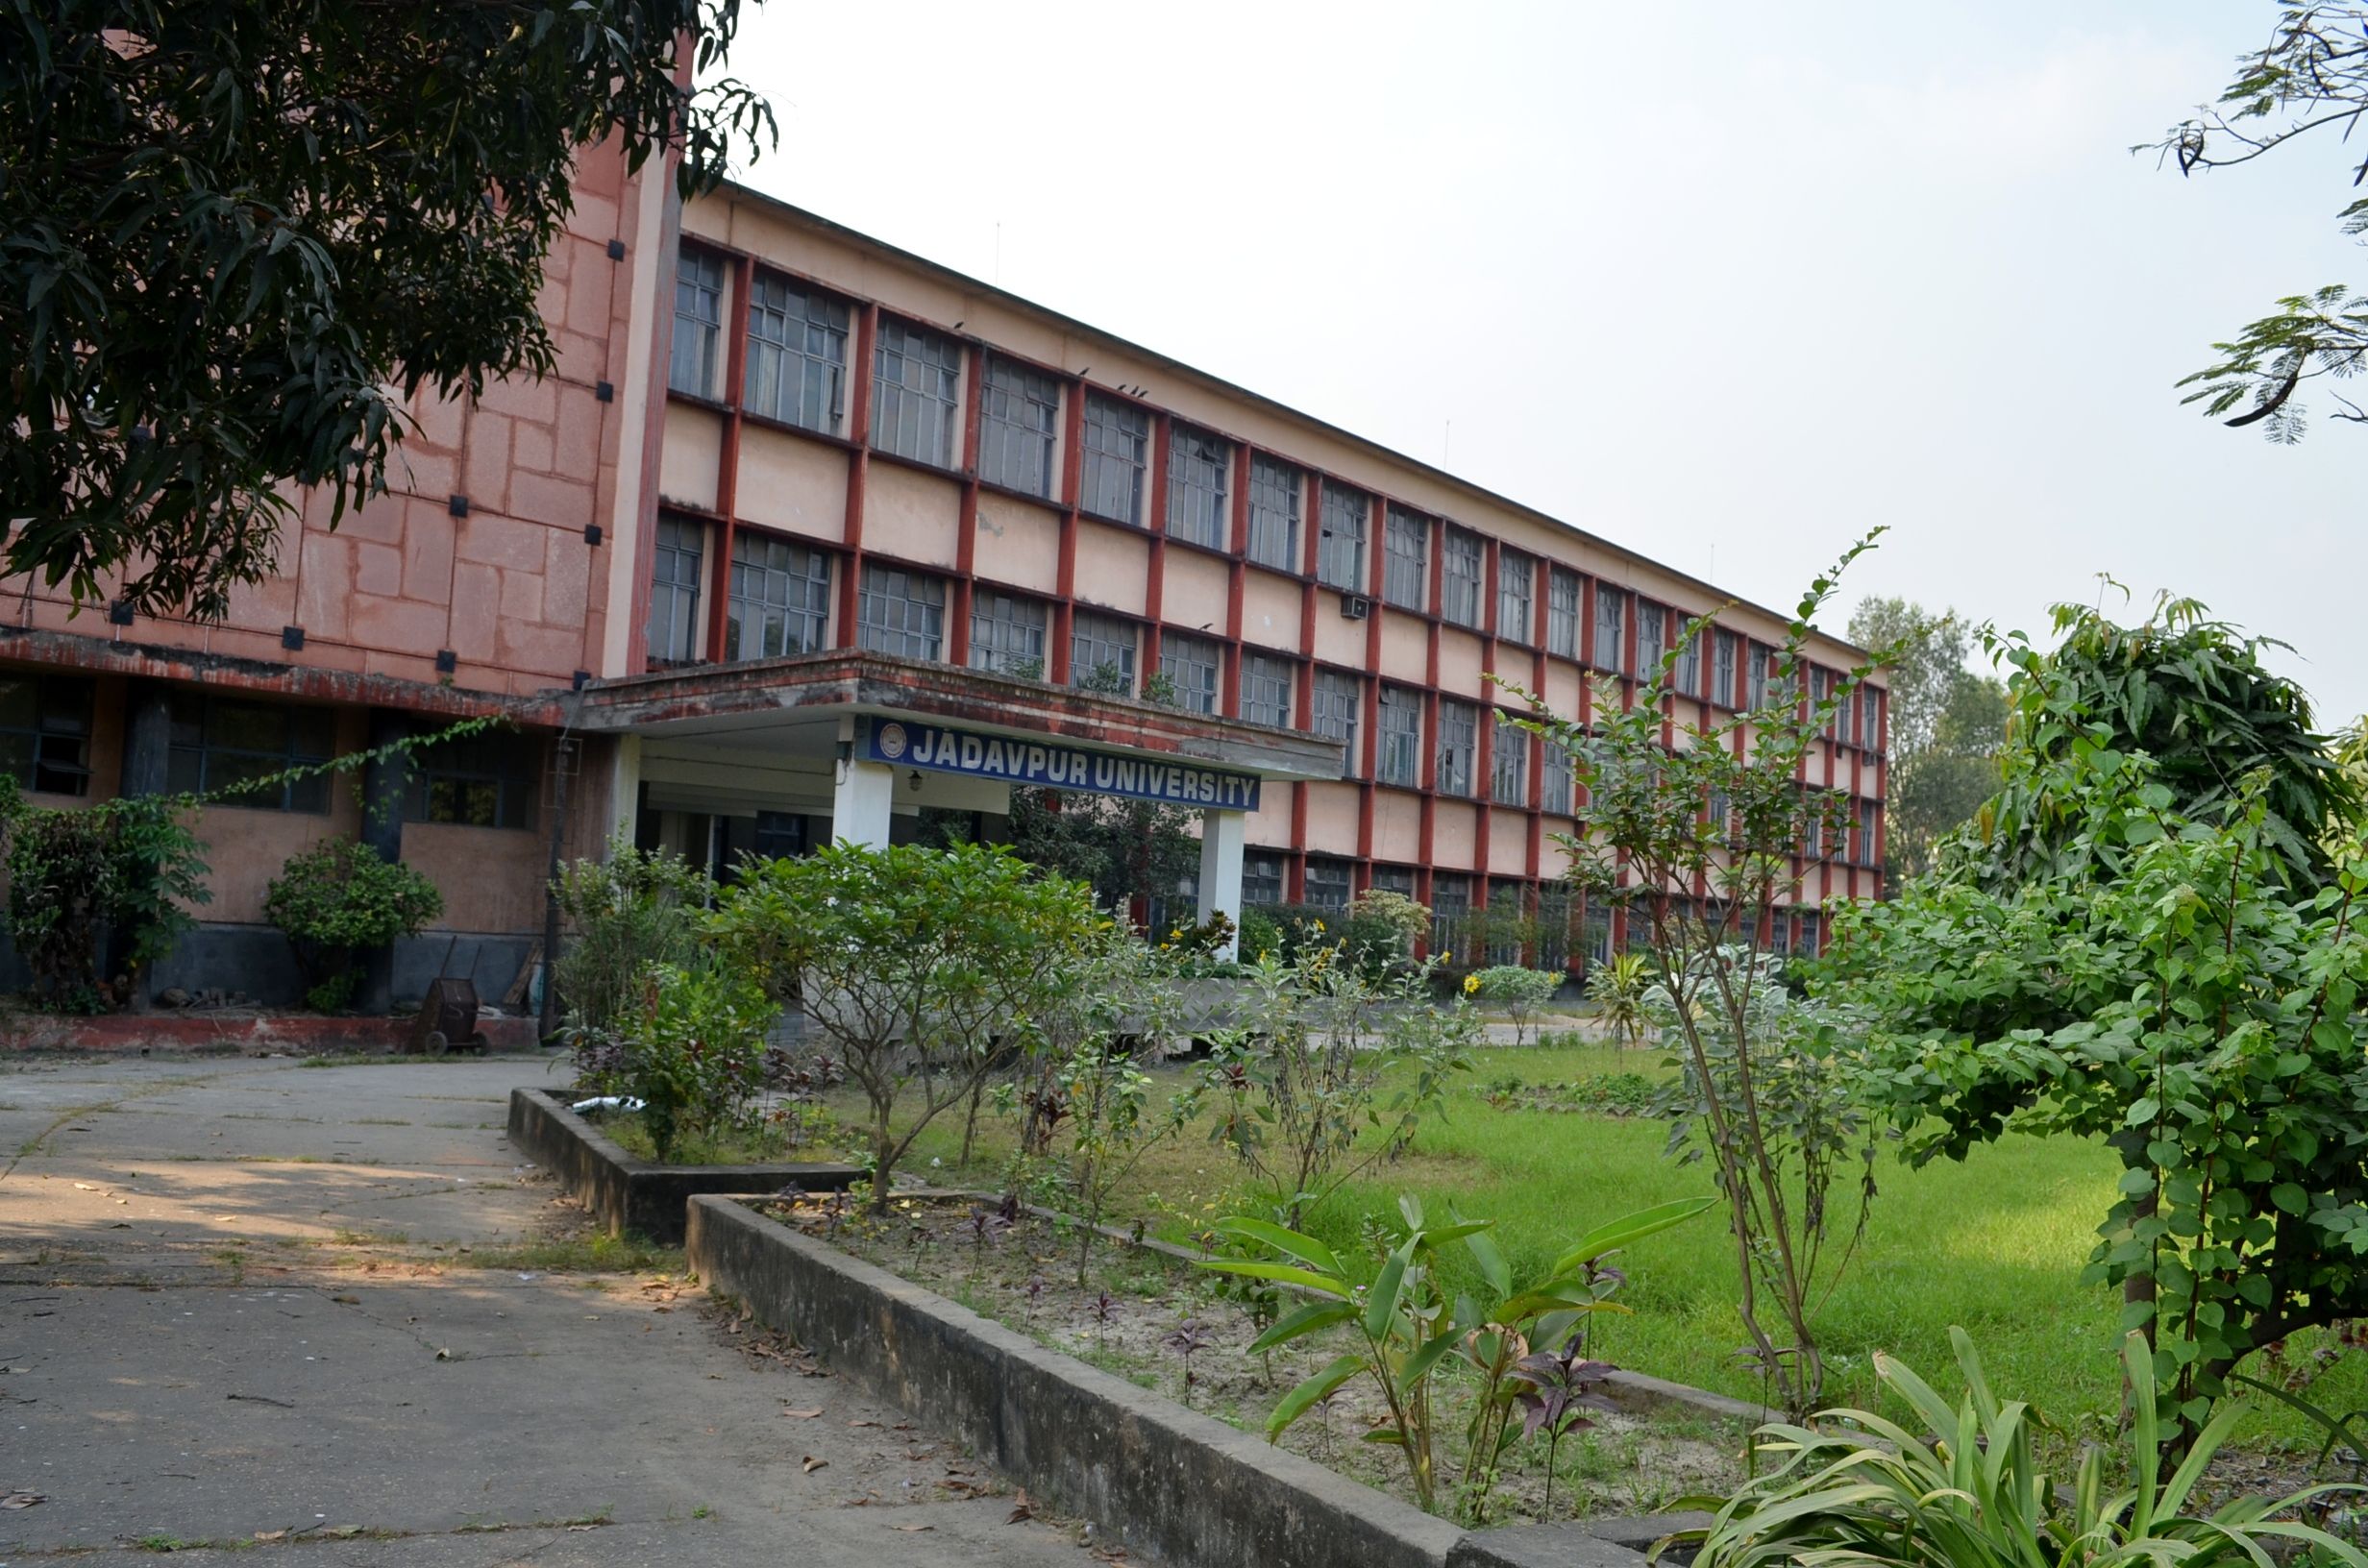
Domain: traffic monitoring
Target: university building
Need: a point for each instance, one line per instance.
(806, 535)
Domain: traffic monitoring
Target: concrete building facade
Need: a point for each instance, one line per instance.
(805, 536)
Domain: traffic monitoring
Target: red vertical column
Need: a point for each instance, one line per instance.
(1064, 572)
(727, 458)
(966, 538)
(1155, 519)
(858, 468)
(1236, 582)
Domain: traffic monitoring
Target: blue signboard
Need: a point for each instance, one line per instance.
(1060, 767)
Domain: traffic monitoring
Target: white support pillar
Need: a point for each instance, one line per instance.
(625, 789)
(862, 800)
(1221, 872)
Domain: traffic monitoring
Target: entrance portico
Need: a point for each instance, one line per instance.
(775, 756)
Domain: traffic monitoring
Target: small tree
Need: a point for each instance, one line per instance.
(130, 865)
(1617, 987)
(1520, 992)
(624, 914)
(919, 965)
(1725, 811)
(340, 899)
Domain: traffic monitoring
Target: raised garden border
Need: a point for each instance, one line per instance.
(1152, 1475)
(638, 1195)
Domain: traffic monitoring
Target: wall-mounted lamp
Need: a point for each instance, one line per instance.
(914, 783)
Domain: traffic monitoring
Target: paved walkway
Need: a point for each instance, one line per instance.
(328, 1309)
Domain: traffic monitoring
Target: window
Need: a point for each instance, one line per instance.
(1020, 411)
(1008, 634)
(1400, 759)
(1406, 559)
(1805, 936)
(219, 745)
(1554, 911)
(1561, 614)
(1555, 791)
(1339, 704)
(1689, 676)
(916, 381)
(797, 370)
(1450, 903)
(1504, 926)
(1190, 665)
(1459, 731)
(1508, 763)
(1723, 650)
(1199, 474)
(1595, 932)
(1274, 493)
(1117, 437)
(1821, 689)
(1610, 633)
(780, 598)
(1460, 566)
(1340, 555)
(699, 321)
(1757, 696)
(674, 630)
(1651, 623)
(1265, 689)
(1866, 833)
(1398, 879)
(1327, 883)
(483, 780)
(900, 612)
(45, 733)
(1262, 879)
(1517, 585)
(1101, 653)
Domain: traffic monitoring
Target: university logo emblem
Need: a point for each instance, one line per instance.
(891, 742)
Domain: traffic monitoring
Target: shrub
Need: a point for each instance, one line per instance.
(1964, 1485)
(919, 965)
(1260, 936)
(1520, 992)
(1617, 987)
(338, 898)
(693, 1053)
(624, 914)
(130, 866)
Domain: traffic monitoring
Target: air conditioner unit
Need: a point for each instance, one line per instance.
(1355, 606)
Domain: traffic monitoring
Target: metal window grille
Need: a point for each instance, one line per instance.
(1199, 473)
(674, 574)
(1866, 833)
(1007, 633)
(1723, 650)
(1327, 883)
(1406, 559)
(1020, 413)
(1117, 439)
(1554, 911)
(1401, 758)
(900, 612)
(780, 599)
(1340, 555)
(1461, 559)
(1652, 623)
(1275, 493)
(1555, 782)
(1611, 628)
(1561, 614)
(45, 732)
(1398, 879)
(1265, 689)
(1459, 730)
(219, 745)
(1805, 937)
(1505, 911)
(797, 370)
(916, 389)
(1687, 677)
(1339, 704)
(1101, 653)
(1450, 904)
(487, 780)
(1596, 926)
(1517, 585)
(699, 322)
(1760, 659)
(1508, 763)
(1190, 665)
(1262, 879)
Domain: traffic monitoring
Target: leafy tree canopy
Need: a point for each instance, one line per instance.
(1946, 725)
(2310, 74)
(236, 236)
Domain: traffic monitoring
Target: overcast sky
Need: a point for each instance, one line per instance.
(1728, 285)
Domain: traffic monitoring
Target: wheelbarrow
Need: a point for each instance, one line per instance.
(447, 1020)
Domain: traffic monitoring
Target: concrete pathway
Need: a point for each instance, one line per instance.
(325, 1316)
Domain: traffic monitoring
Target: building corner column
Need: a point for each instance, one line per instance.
(385, 783)
(1221, 836)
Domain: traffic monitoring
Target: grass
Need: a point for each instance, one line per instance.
(1995, 1244)
(596, 1254)
(692, 1149)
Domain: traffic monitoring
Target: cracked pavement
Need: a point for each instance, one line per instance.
(245, 1306)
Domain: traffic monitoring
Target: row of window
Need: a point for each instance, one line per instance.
(239, 749)
(797, 374)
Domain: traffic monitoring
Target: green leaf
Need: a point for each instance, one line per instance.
(1286, 1273)
(1628, 1230)
(1307, 1319)
(1296, 1243)
(1381, 1302)
(1296, 1403)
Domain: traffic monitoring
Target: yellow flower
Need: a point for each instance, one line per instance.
(1472, 983)
(1320, 926)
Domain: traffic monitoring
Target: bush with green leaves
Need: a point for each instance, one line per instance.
(1961, 1486)
(1617, 987)
(130, 866)
(1520, 992)
(623, 914)
(1300, 1090)
(338, 899)
(1260, 936)
(692, 1052)
(921, 968)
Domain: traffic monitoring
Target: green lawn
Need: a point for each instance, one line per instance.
(1995, 1244)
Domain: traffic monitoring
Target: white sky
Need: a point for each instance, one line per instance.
(1729, 285)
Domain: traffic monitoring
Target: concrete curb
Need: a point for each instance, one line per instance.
(236, 1032)
(1153, 1476)
(628, 1195)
